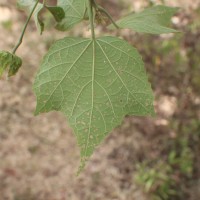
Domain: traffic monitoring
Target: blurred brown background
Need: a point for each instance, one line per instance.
(144, 159)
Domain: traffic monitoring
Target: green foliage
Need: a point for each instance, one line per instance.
(183, 157)
(95, 86)
(152, 20)
(156, 180)
(160, 178)
(56, 11)
(29, 5)
(94, 82)
(75, 12)
(10, 62)
(184, 161)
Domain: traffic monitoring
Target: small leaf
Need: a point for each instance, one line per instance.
(10, 62)
(57, 12)
(75, 12)
(28, 5)
(152, 20)
(95, 83)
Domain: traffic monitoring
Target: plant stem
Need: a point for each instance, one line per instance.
(101, 9)
(24, 29)
(91, 17)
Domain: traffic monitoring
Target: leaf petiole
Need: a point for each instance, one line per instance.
(91, 17)
(24, 29)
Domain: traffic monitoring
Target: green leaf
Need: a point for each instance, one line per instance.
(95, 83)
(28, 5)
(152, 20)
(75, 11)
(57, 12)
(8, 60)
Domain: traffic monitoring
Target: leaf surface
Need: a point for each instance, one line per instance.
(75, 11)
(95, 83)
(10, 62)
(154, 20)
(57, 12)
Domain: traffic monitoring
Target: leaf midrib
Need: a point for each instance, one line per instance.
(92, 106)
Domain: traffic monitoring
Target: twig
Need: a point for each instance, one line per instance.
(24, 29)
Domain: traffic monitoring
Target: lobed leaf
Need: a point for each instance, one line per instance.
(154, 20)
(10, 62)
(75, 12)
(95, 83)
